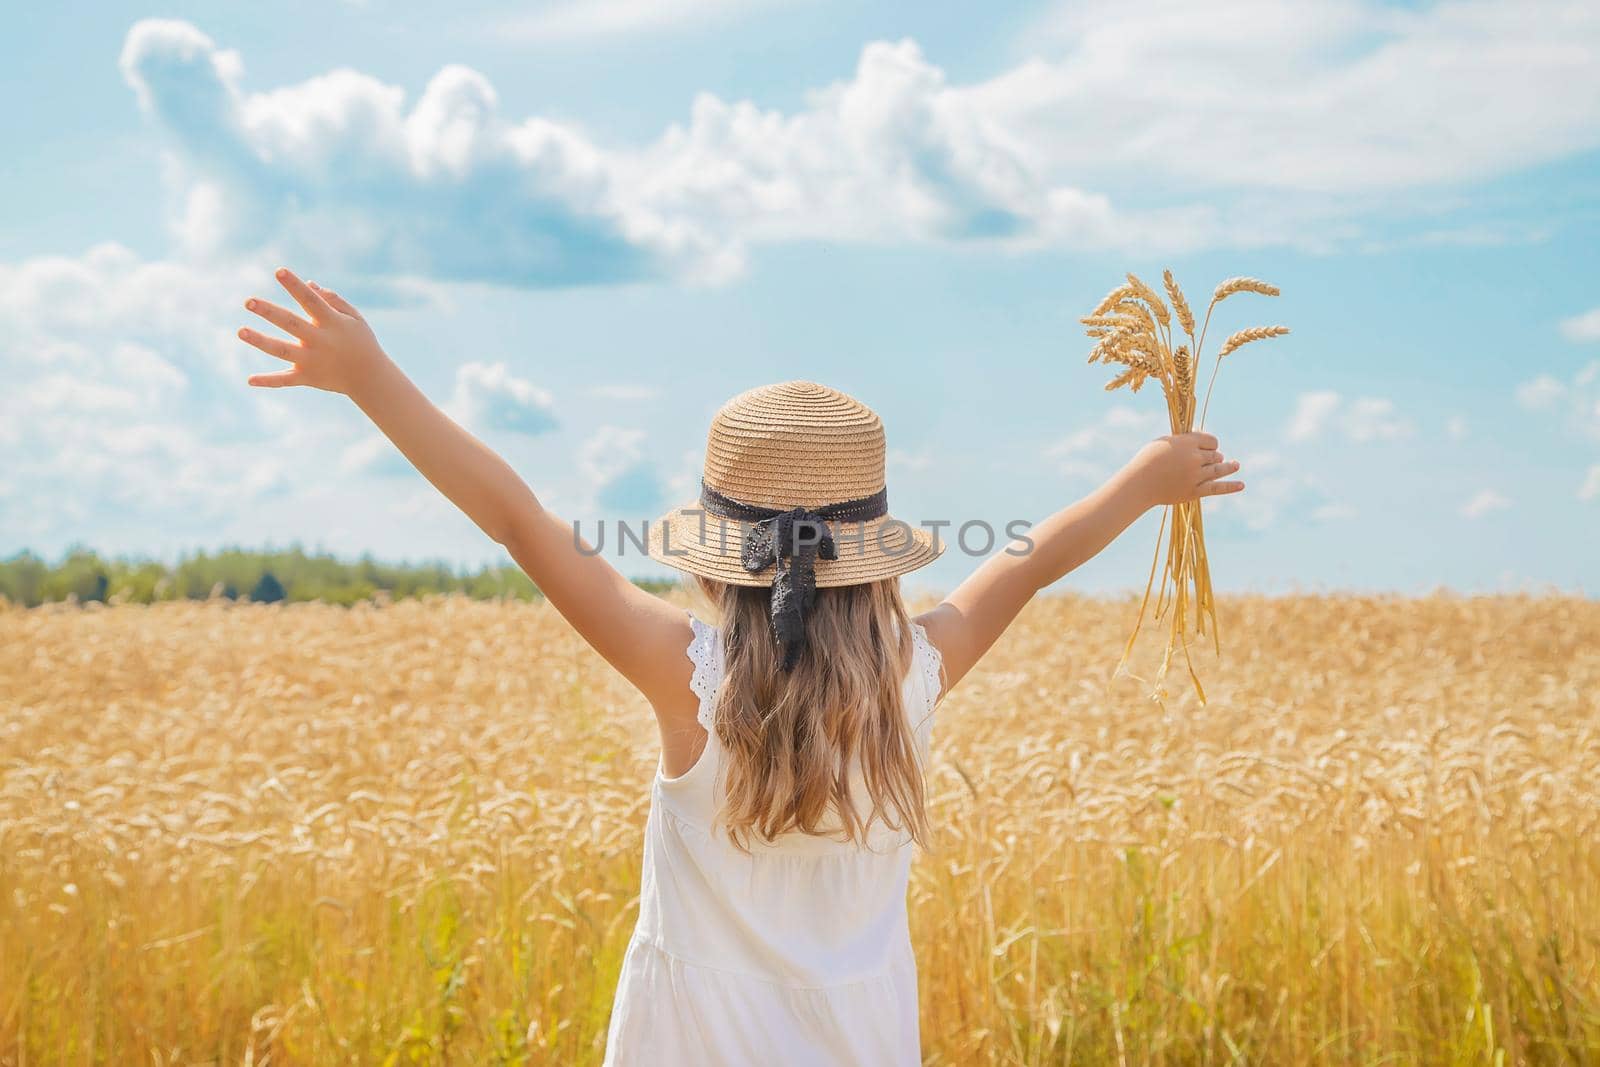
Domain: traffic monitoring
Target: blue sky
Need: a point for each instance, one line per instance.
(582, 228)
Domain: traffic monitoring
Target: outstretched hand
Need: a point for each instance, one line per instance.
(336, 350)
(1181, 467)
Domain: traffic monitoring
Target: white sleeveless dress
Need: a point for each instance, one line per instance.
(798, 954)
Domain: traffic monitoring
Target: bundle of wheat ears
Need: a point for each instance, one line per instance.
(1132, 328)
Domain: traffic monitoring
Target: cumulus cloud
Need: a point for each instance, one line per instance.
(1539, 393)
(337, 170)
(1089, 454)
(489, 397)
(1577, 398)
(569, 20)
(1371, 418)
(1279, 485)
(342, 170)
(125, 391)
(1280, 488)
(1572, 405)
(1585, 327)
(1302, 97)
(900, 459)
(1590, 489)
(625, 481)
(375, 455)
(1362, 420)
(1485, 502)
(1311, 414)
(125, 403)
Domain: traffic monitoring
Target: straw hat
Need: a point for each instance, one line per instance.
(772, 450)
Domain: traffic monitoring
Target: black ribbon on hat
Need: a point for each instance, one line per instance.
(791, 541)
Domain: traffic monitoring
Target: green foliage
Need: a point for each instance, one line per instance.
(268, 590)
(269, 577)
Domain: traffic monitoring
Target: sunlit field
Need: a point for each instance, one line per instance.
(410, 834)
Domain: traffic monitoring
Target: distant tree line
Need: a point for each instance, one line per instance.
(237, 574)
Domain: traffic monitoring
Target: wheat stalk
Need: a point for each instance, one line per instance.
(1112, 298)
(1254, 333)
(1183, 372)
(1132, 328)
(1148, 295)
(1180, 306)
(1242, 285)
(1325, 751)
(1243, 337)
(1227, 289)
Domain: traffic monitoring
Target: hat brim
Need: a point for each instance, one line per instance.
(690, 539)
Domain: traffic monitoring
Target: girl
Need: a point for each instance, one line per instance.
(772, 908)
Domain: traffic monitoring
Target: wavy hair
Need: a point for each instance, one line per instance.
(795, 741)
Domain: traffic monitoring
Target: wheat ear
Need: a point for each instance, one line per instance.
(1227, 289)
(1111, 299)
(1180, 306)
(1243, 285)
(1183, 377)
(1243, 337)
(1148, 295)
(1254, 333)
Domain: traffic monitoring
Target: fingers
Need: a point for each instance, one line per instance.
(1219, 488)
(304, 295)
(272, 346)
(1209, 456)
(337, 302)
(1212, 471)
(282, 318)
(1205, 441)
(275, 380)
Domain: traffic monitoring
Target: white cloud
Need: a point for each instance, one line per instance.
(909, 461)
(1371, 418)
(1457, 428)
(125, 397)
(336, 170)
(568, 20)
(1303, 96)
(1095, 452)
(1590, 490)
(1483, 503)
(1362, 420)
(489, 397)
(1585, 327)
(1311, 413)
(625, 481)
(376, 455)
(1278, 488)
(1539, 393)
(1294, 138)
(1578, 398)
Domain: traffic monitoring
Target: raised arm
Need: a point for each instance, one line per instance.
(640, 635)
(1169, 470)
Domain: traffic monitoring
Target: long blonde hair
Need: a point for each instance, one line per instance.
(792, 738)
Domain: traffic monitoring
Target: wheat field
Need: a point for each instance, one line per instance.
(244, 834)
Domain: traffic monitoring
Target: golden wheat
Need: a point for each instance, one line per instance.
(1126, 331)
(1180, 306)
(1183, 371)
(1242, 285)
(272, 835)
(1148, 295)
(1254, 333)
(1112, 298)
